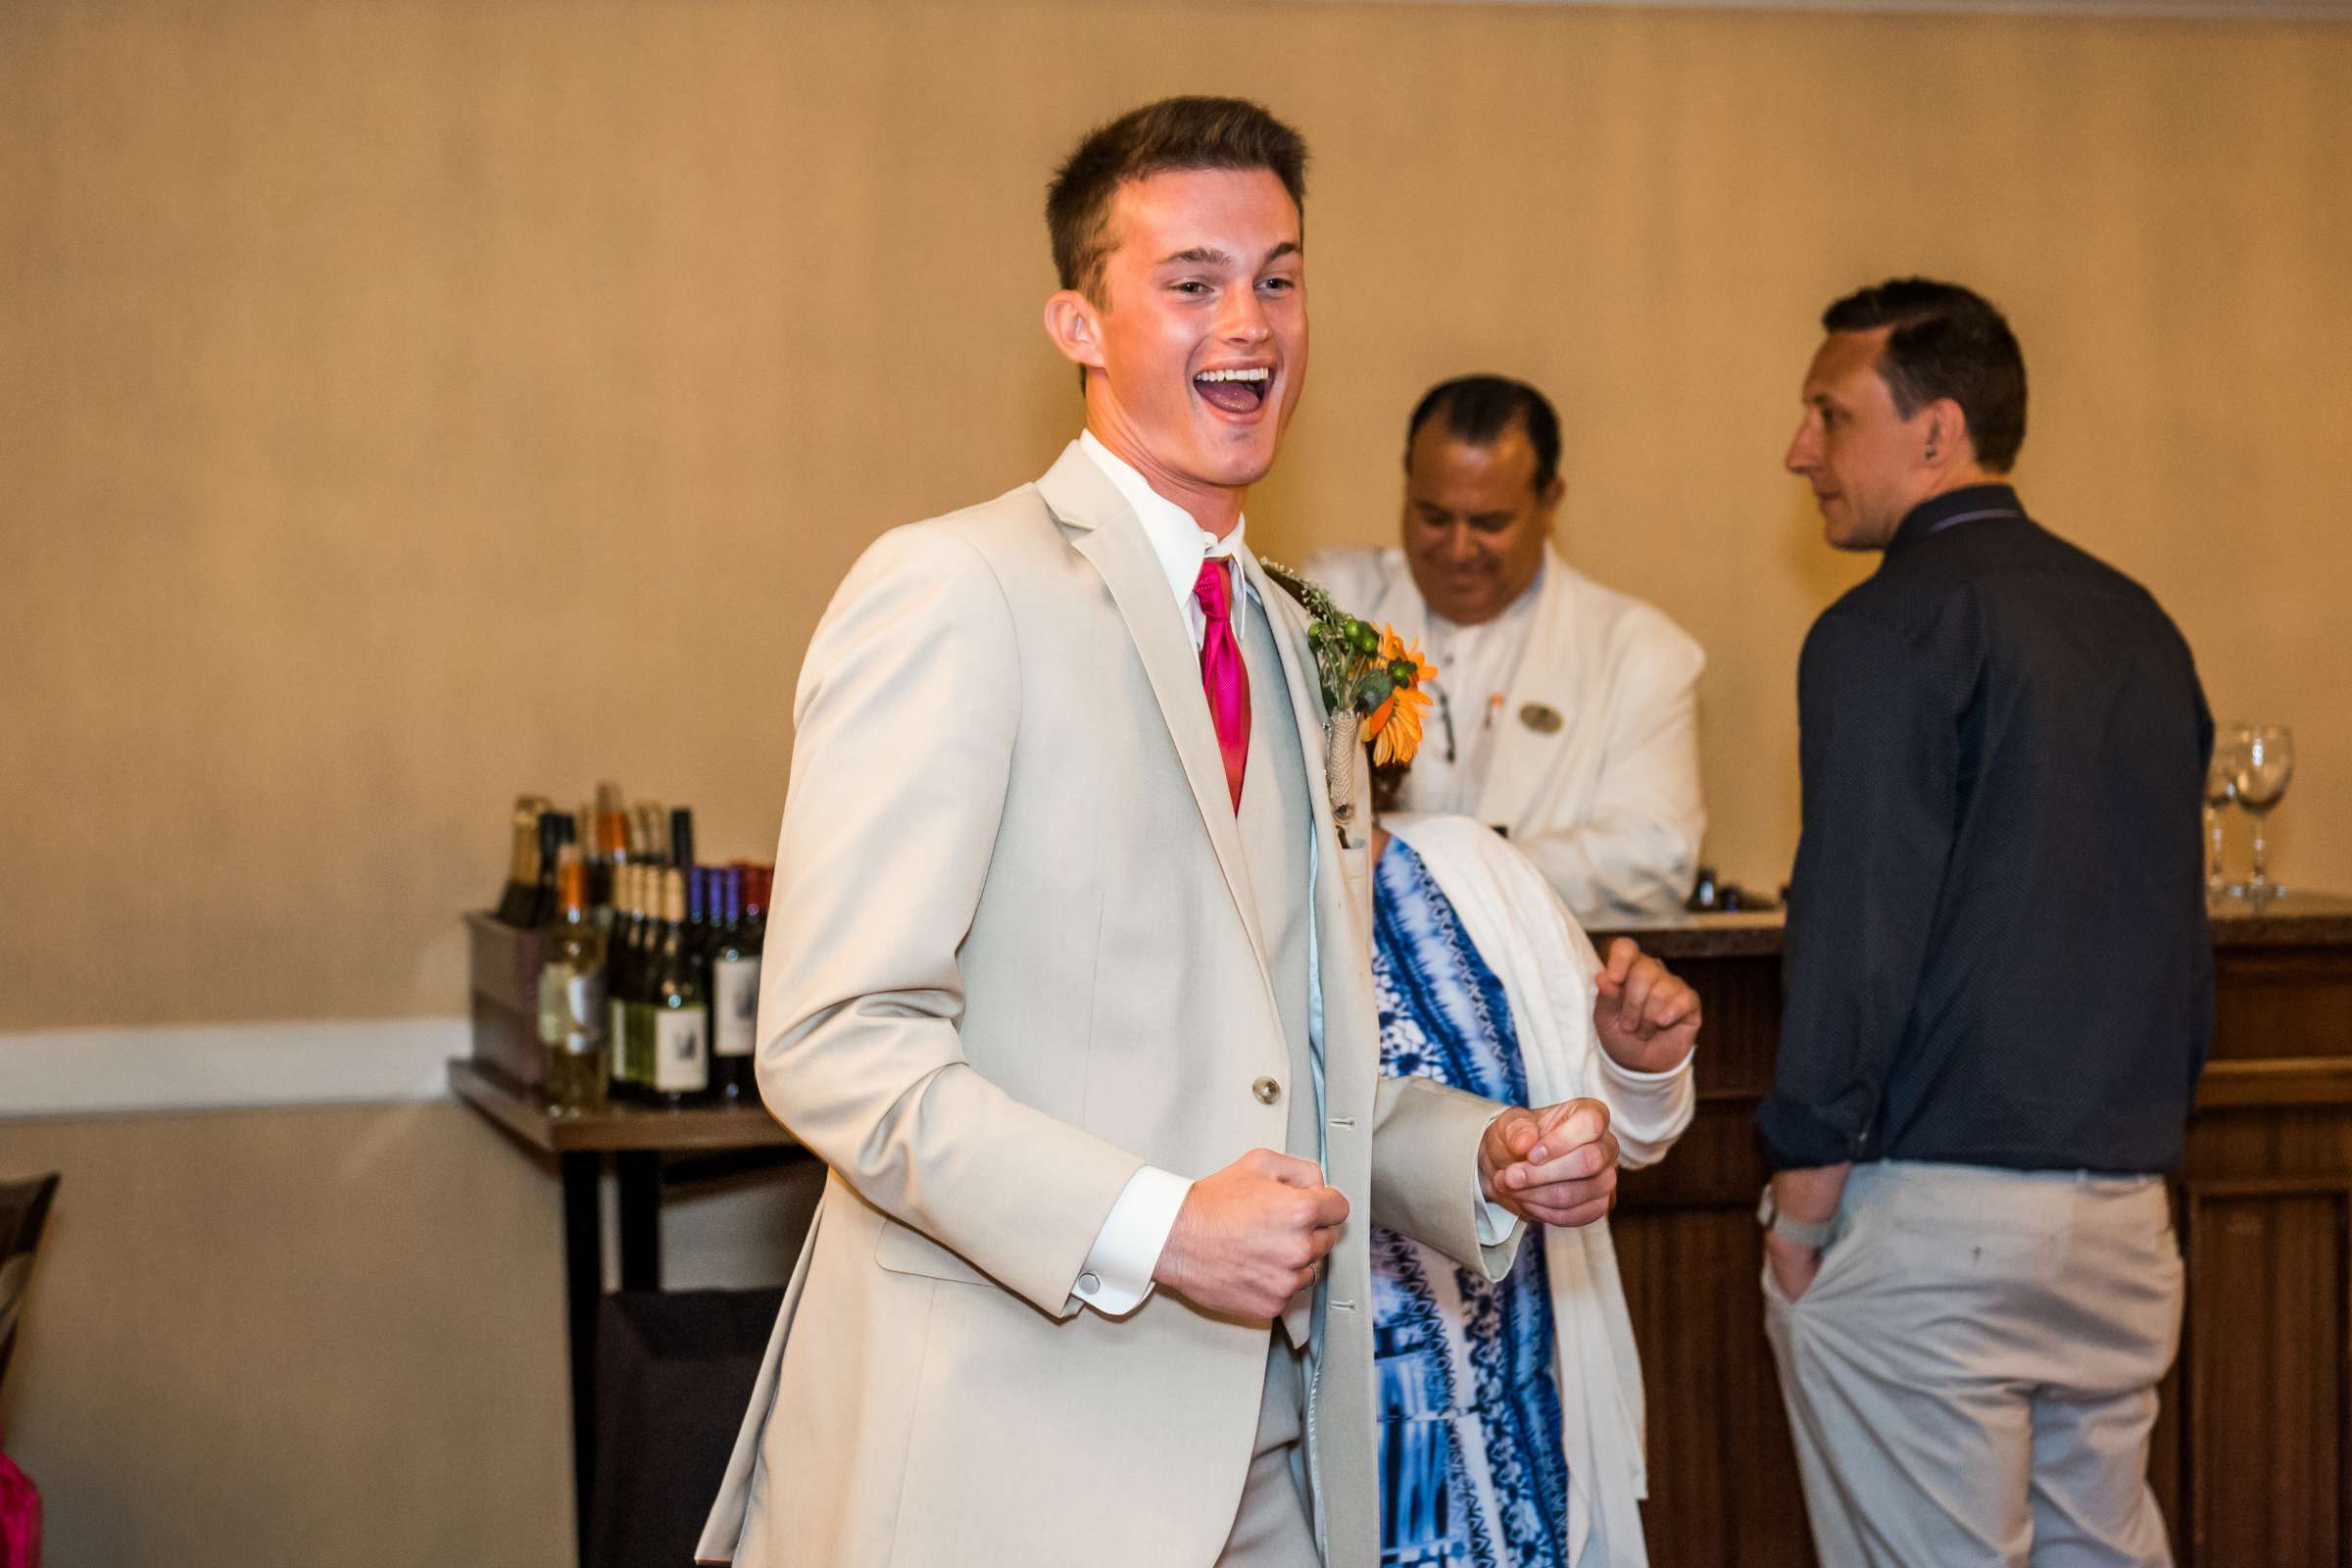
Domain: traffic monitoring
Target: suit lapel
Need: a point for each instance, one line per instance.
(1289, 620)
(1334, 903)
(1104, 531)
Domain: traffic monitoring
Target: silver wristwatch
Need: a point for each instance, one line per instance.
(1815, 1234)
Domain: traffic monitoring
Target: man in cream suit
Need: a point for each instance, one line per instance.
(1566, 713)
(1068, 975)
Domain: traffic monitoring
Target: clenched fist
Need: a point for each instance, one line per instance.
(1251, 1237)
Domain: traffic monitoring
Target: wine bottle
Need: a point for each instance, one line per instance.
(572, 1011)
(611, 854)
(638, 1051)
(649, 836)
(681, 1040)
(544, 894)
(600, 839)
(702, 911)
(523, 867)
(758, 883)
(681, 837)
(734, 996)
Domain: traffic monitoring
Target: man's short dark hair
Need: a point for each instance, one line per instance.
(1479, 408)
(1947, 342)
(1171, 136)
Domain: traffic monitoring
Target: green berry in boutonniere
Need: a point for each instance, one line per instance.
(1370, 672)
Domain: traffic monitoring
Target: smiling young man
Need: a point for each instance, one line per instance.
(1567, 713)
(1999, 982)
(1069, 982)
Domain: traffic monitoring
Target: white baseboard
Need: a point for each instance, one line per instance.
(66, 1072)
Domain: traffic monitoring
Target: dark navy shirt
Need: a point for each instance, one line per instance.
(1997, 952)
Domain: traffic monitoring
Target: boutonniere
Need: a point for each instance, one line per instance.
(1373, 689)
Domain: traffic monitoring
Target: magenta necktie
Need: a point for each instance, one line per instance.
(1222, 673)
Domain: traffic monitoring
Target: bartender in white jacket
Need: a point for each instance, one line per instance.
(1566, 714)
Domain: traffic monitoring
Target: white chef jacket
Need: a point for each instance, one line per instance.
(1581, 709)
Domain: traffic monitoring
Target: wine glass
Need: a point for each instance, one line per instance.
(2262, 769)
(2220, 788)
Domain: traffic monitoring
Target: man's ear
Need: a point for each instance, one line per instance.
(1945, 431)
(1547, 504)
(1076, 325)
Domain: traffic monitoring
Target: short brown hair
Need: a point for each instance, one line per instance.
(1946, 342)
(1172, 134)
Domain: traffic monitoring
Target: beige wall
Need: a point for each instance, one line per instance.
(323, 1335)
(329, 1336)
(404, 405)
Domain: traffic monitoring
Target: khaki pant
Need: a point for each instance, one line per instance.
(1970, 1378)
(1271, 1529)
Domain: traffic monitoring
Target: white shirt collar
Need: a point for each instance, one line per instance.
(1178, 543)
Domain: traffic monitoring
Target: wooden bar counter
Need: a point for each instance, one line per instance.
(2251, 1453)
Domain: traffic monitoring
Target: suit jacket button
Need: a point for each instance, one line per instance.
(1266, 1090)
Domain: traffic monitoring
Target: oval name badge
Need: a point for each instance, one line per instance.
(1542, 719)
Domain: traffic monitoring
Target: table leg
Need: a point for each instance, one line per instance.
(640, 1177)
(583, 1295)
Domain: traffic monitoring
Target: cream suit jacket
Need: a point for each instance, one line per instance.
(1602, 792)
(1011, 959)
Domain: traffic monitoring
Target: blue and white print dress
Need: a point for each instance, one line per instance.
(1472, 1470)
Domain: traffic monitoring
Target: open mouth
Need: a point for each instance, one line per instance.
(1242, 391)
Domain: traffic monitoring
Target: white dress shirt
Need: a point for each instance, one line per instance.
(1118, 1270)
(1476, 666)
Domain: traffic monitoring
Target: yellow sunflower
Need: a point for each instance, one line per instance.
(1395, 726)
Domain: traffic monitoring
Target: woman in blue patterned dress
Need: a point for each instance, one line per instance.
(1510, 1412)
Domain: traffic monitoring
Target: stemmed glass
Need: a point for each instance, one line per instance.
(2262, 769)
(2220, 788)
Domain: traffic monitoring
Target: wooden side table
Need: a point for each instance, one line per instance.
(709, 1142)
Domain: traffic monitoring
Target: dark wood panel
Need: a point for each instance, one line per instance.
(2265, 1382)
(2168, 1464)
(2284, 1002)
(2250, 1454)
(2283, 1081)
(2283, 1145)
(1739, 1002)
(1716, 1164)
(1723, 1482)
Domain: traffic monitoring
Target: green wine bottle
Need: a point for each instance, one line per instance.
(572, 995)
(734, 996)
(682, 1021)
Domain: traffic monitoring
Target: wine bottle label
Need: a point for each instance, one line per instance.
(638, 1020)
(572, 1012)
(681, 1051)
(734, 1005)
(551, 1005)
(616, 1034)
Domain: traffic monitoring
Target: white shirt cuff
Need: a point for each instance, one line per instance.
(1644, 1080)
(1494, 1222)
(1118, 1269)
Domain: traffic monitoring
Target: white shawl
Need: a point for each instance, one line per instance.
(1546, 963)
